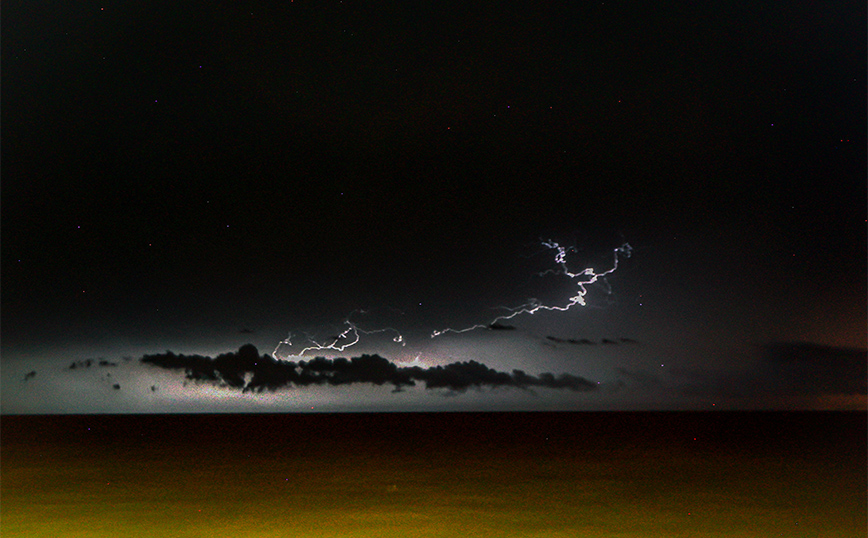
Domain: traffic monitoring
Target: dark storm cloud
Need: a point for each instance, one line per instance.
(87, 363)
(248, 371)
(573, 341)
(459, 376)
(586, 342)
(500, 327)
(814, 369)
(788, 370)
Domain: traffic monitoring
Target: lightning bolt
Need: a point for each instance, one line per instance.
(352, 334)
(348, 338)
(583, 278)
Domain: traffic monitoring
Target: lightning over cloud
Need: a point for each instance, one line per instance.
(347, 338)
(583, 278)
(297, 344)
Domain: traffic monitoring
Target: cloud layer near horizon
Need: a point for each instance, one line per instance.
(247, 371)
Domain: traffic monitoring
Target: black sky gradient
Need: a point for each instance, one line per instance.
(196, 177)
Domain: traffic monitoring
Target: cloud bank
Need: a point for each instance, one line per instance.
(248, 371)
(785, 374)
(814, 369)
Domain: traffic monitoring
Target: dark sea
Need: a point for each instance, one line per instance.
(624, 474)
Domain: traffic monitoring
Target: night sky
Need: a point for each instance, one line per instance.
(180, 180)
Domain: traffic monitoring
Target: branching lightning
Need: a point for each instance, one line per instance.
(352, 333)
(348, 338)
(583, 278)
